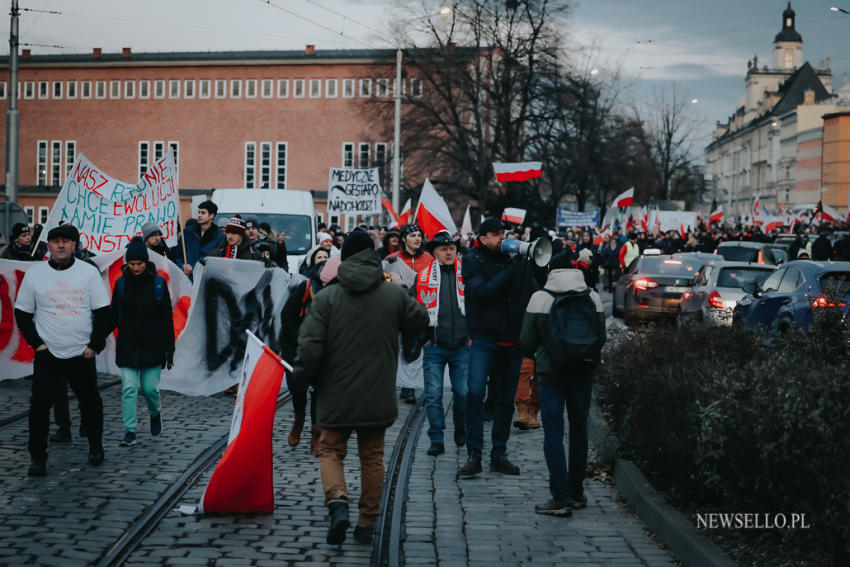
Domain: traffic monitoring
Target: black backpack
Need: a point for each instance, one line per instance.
(575, 333)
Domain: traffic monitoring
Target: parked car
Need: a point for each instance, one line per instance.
(716, 291)
(790, 295)
(653, 285)
(745, 251)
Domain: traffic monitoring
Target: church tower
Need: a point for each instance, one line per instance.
(788, 44)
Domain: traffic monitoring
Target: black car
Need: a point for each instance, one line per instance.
(746, 251)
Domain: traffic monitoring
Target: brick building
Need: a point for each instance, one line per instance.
(836, 158)
(276, 119)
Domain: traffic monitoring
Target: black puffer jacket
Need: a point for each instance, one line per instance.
(497, 292)
(145, 325)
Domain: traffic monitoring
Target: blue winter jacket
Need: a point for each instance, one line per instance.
(197, 246)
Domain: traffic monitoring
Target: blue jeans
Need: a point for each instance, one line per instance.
(501, 364)
(434, 360)
(575, 395)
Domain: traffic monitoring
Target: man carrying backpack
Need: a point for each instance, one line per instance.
(564, 326)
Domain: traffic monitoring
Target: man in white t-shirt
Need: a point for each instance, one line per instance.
(62, 310)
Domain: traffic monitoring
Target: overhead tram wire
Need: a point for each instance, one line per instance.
(349, 18)
(315, 23)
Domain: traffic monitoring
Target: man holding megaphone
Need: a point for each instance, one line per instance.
(498, 288)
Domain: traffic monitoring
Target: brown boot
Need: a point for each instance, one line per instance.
(531, 416)
(521, 420)
(315, 434)
(297, 427)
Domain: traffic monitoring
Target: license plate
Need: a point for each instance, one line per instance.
(675, 289)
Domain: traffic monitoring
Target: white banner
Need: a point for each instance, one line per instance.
(108, 212)
(354, 191)
(673, 220)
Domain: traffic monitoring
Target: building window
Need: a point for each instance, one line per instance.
(175, 150)
(144, 158)
(57, 89)
(315, 88)
(159, 89)
(266, 89)
(85, 89)
(43, 214)
(114, 89)
(70, 156)
(282, 88)
(30, 212)
(173, 89)
(29, 89)
(204, 90)
(55, 163)
(71, 89)
(250, 164)
(416, 88)
(251, 88)
(2, 89)
(236, 88)
(144, 89)
(280, 181)
(42, 89)
(129, 89)
(298, 88)
(41, 163)
(363, 155)
(381, 161)
(330, 88)
(382, 88)
(334, 220)
(158, 151)
(347, 154)
(365, 87)
(348, 88)
(265, 164)
(220, 88)
(188, 89)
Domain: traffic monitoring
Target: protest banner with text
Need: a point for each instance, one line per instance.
(354, 191)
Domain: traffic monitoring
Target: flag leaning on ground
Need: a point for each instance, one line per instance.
(624, 199)
(432, 213)
(242, 481)
(521, 171)
(404, 217)
(513, 215)
(466, 225)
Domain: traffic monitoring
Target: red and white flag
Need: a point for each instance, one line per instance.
(756, 209)
(644, 220)
(521, 171)
(828, 214)
(404, 217)
(243, 480)
(388, 205)
(624, 199)
(432, 213)
(771, 223)
(513, 215)
(716, 215)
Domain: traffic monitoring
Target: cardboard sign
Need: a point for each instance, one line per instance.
(354, 191)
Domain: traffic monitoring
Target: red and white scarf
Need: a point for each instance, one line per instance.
(428, 290)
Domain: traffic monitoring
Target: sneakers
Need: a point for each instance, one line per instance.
(129, 439)
(295, 432)
(555, 508)
(96, 456)
(471, 468)
(62, 435)
(338, 512)
(460, 436)
(363, 535)
(38, 467)
(156, 425)
(436, 449)
(501, 464)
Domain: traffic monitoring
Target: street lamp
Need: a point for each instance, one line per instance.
(838, 9)
(445, 9)
(694, 100)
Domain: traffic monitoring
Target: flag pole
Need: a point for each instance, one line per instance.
(179, 212)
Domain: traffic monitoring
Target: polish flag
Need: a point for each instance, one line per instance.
(629, 224)
(771, 223)
(716, 215)
(432, 213)
(466, 225)
(682, 231)
(388, 205)
(756, 209)
(513, 215)
(597, 240)
(828, 214)
(242, 481)
(521, 171)
(404, 217)
(625, 199)
(644, 220)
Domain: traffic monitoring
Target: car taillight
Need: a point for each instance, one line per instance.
(714, 300)
(644, 285)
(687, 295)
(823, 302)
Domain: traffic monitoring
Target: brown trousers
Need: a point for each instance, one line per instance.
(333, 446)
(527, 397)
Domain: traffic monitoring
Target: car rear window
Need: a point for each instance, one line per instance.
(738, 253)
(737, 277)
(836, 282)
(666, 266)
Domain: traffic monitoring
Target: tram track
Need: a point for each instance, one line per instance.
(20, 416)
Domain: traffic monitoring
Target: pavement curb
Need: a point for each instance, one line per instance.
(671, 526)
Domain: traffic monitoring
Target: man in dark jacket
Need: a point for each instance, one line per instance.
(263, 248)
(355, 391)
(822, 247)
(236, 244)
(498, 288)
(152, 235)
(21, 245)
(439, 287)
(202, 239)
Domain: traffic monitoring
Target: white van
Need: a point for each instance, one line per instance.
(284, 209)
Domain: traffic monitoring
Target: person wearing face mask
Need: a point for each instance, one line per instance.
(141, 311)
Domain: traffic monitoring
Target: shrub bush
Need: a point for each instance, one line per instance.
(724, 416)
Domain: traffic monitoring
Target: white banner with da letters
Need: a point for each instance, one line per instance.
(354, 191)
(210, 319)
(108, 212)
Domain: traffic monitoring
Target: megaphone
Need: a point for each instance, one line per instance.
(539, 251)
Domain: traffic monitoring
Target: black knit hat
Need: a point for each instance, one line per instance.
(357, 241)
(491, 225)
(136, 250)
(561, 262)
(18, 229)
(66, 230)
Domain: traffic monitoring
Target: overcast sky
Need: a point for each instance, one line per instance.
(702, 46)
